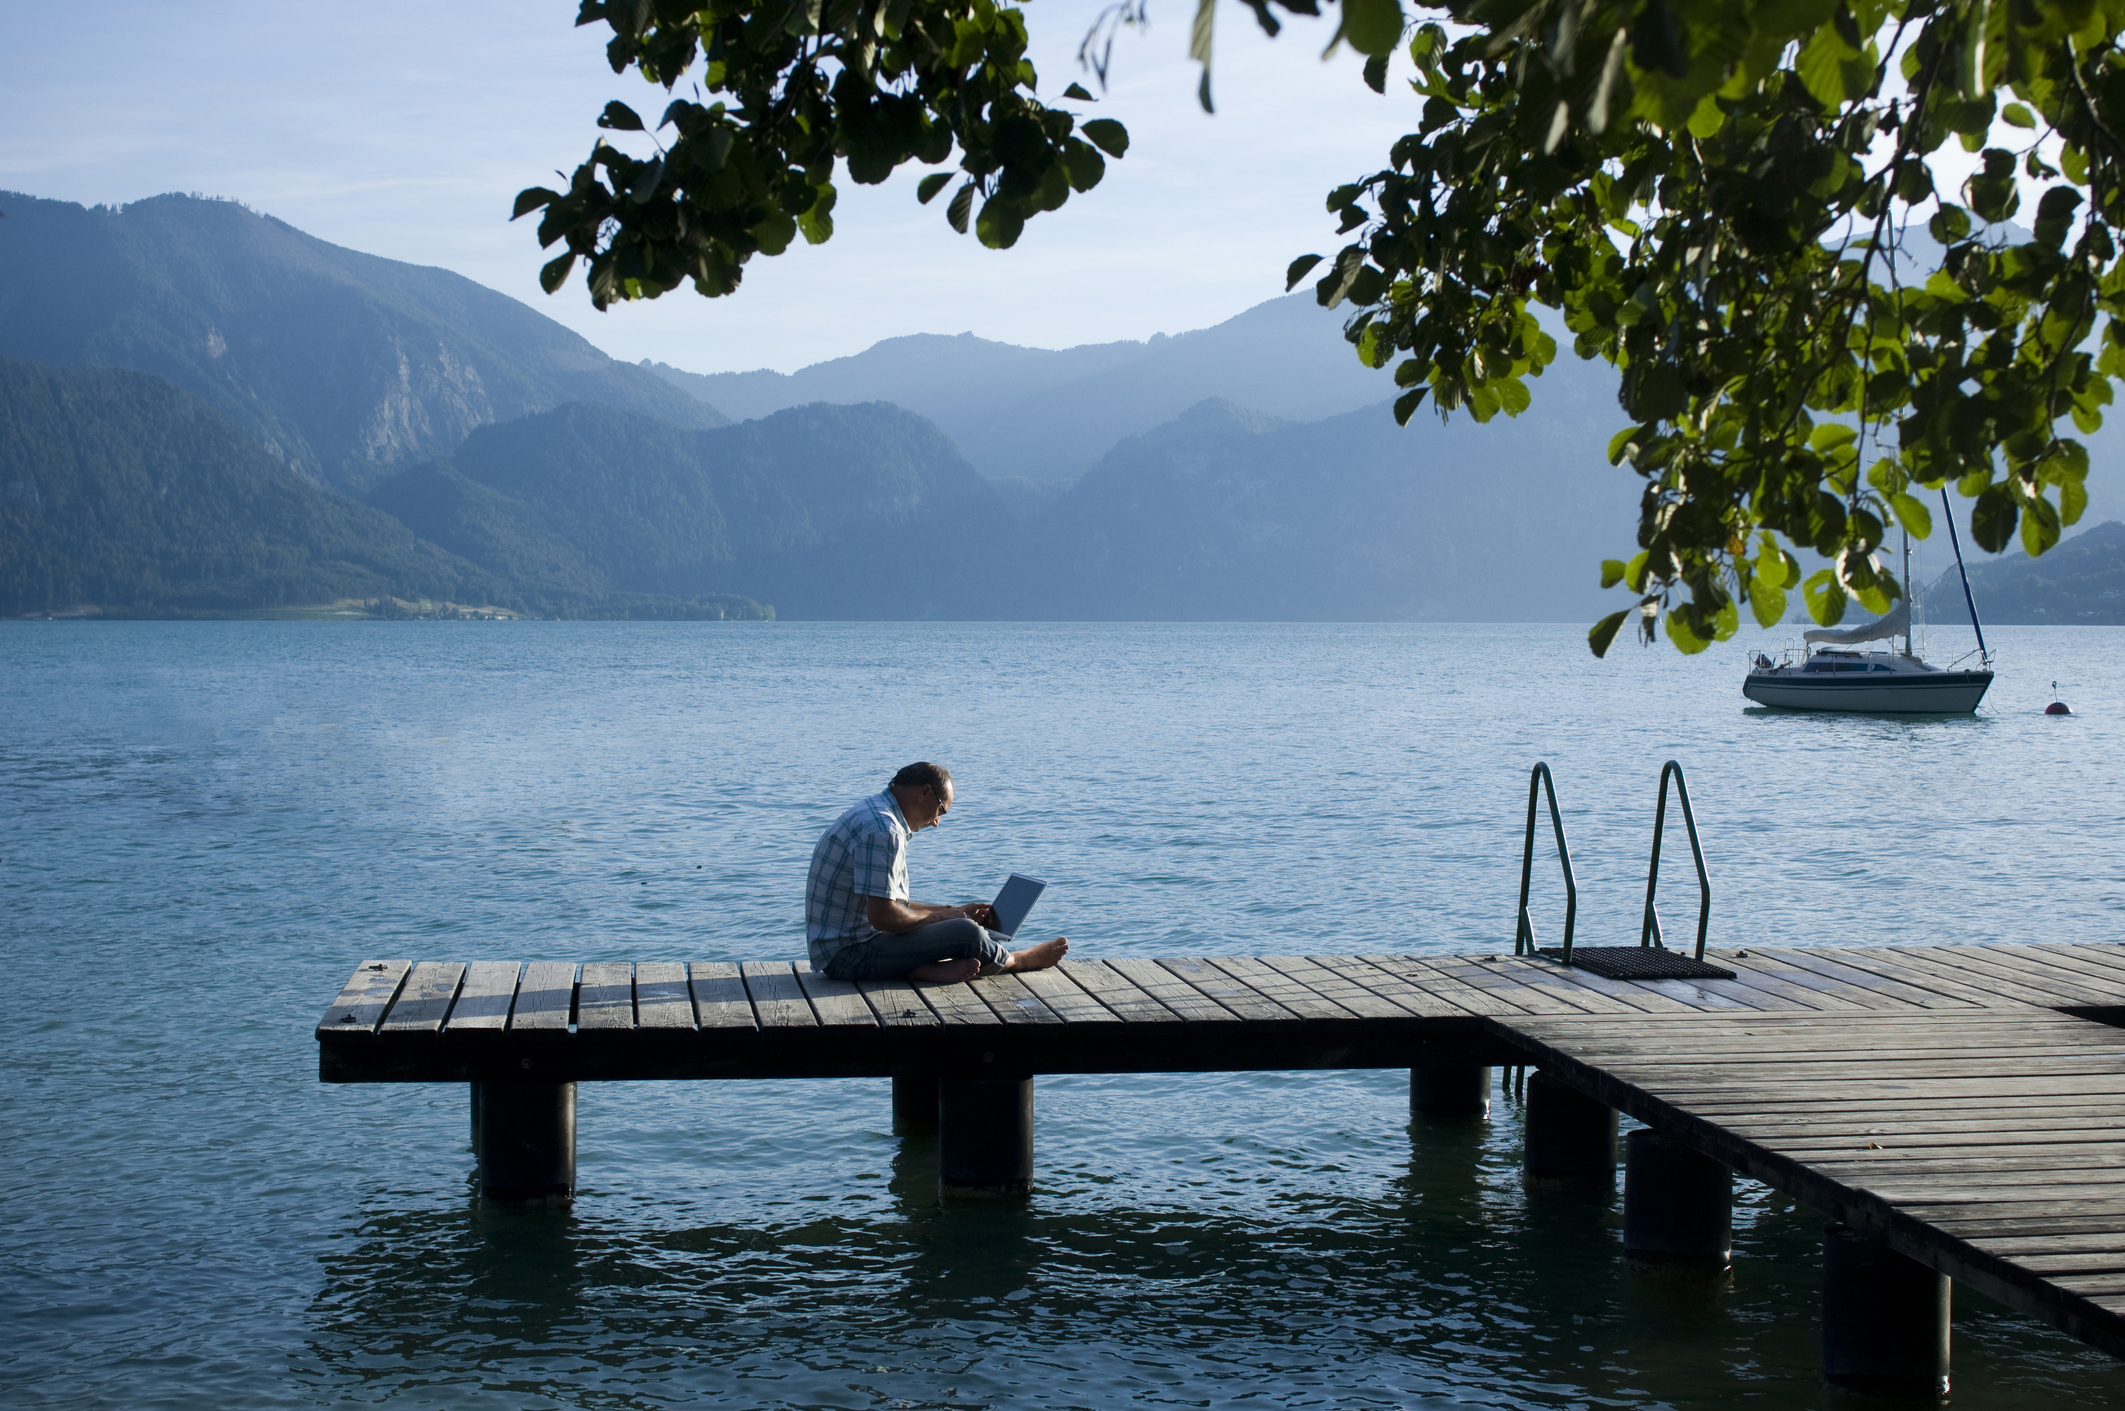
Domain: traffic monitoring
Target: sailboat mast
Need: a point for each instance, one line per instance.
(1910, 603)
(1964, 573)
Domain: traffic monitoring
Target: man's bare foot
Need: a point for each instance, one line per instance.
(947, 972)
(1039, 957)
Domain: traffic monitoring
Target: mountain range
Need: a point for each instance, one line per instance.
(303, 423)
(1049, 415)
(340, 365)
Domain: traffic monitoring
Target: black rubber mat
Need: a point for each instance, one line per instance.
(1640, 963)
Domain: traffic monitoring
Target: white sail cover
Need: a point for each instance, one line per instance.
(1895, 624)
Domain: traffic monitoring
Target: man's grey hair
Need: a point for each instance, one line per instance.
(923, 772)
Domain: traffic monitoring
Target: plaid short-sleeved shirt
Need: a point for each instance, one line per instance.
(865, 854)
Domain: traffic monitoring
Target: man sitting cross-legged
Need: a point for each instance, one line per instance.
(858, 921)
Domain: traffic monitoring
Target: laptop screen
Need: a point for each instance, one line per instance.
(1015, 900)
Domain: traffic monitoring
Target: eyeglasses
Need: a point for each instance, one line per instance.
(944, 805)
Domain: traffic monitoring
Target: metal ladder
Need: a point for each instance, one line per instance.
(1651, 937)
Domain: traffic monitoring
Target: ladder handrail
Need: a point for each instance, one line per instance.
(1524, 933)
(1649, 934)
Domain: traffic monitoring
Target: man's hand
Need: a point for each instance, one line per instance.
(896, 917)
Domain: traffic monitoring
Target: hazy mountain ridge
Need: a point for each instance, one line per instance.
(1050, 415)
(2081, 581)
(342, 365)
(1224, 513)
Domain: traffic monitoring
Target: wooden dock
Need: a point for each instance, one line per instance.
(1960, 1105)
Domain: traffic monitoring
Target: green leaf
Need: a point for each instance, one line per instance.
(929, 186)
(554, 272)
(1684, 636)
(620, 118)
(1911, 512)
(2073, 501)
(1085, 164)
(1371, 26)
(1949, 224)
(1822, 69)
(2040, 526)
(1406, 405)
(532, 199)
(774, 234)
(999, 223)
(962, 206)
(1621, 442)
(817, 222)
(1077, 91)
(1376, 73)
(1611, 572)
(1992, 518)
(2015, 115)
(1604, 632)
(1767, 601)
(1825, 597)
(1107, 135)
(1298, 270)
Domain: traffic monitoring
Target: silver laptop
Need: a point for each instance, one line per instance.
(1014, 901)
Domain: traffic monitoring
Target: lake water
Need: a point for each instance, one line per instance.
(203, 826)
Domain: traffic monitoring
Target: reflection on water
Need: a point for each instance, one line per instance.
(1444, 1284)
(203, 826)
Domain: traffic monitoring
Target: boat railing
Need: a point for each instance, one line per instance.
(1539, 785)
(1650, 933)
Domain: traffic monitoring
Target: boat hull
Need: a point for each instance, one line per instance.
(1930, 693)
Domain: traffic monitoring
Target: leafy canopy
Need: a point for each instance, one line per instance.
(1714, 195)
(803, 88)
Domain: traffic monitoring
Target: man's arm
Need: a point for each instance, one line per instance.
(893, 917)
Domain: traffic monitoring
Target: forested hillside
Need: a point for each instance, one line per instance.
(341, 365)
(847, 512)
(119, 490)
(2081, 581)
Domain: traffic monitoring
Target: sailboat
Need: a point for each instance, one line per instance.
(1831, 675)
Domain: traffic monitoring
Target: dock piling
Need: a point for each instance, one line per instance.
(1449, 1092)
(1570, 1139)
(1884, 1318)
(1678, 1205)
(985, 1136)
(525, 1135)
(914, 1102)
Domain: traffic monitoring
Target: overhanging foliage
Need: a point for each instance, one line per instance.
(1713, 194)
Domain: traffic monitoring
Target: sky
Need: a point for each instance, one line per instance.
(406, 129)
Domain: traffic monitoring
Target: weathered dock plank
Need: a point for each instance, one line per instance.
(545, 998)
(484, 999)
(720, 1001)
(365, 998)
(1932, 1203)
(663, 998)
(424, 1003)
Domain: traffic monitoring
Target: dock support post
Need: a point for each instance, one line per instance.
(526, 1140)
(1571, 1138)
(985, 1136)
(914, 1102)
(1678, 1205)
(1449, 1092)
(1884, 1318)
